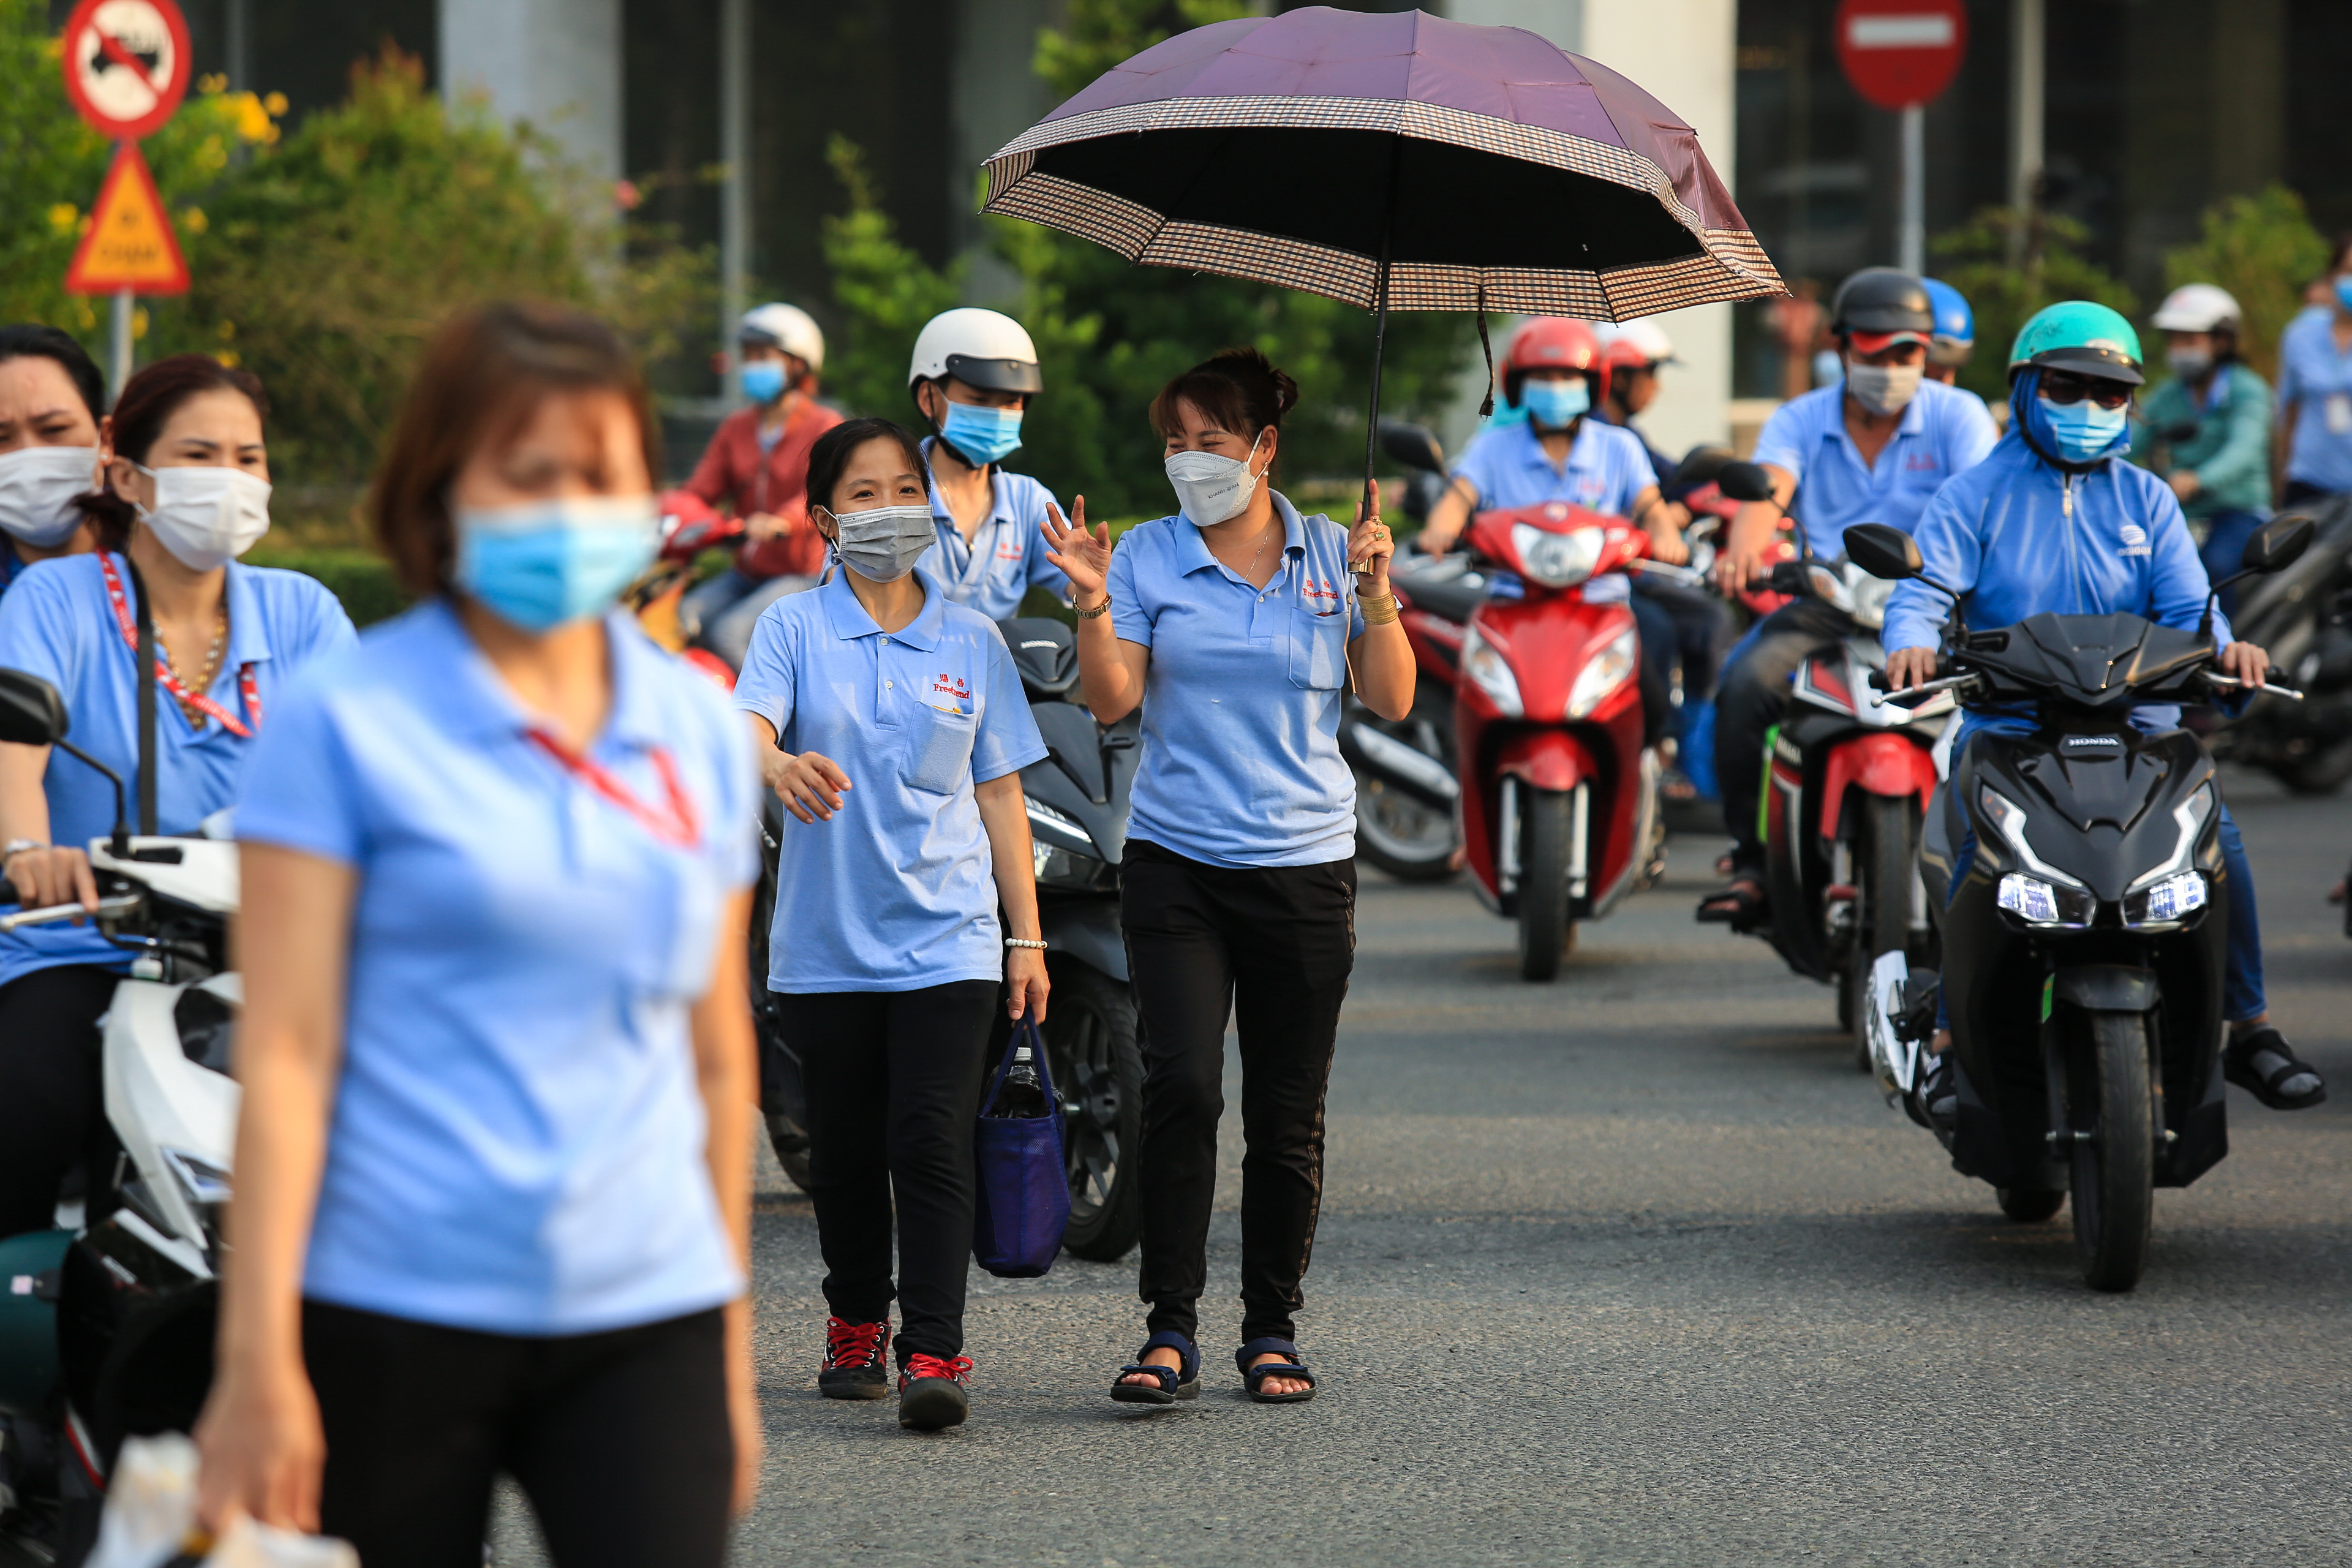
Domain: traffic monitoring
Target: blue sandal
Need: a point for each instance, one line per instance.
(1172, 1382)
(1292, 1366)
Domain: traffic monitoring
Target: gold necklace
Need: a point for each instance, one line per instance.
(195, 716)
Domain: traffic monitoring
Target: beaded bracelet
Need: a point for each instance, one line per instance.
(1101, 609)
(1016, 942)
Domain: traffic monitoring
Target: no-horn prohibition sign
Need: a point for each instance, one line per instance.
(126, 65)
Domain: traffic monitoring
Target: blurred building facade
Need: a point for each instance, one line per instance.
(2152, 109)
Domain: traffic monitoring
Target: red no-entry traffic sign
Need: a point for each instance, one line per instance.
(126, 64)
(1901, 53)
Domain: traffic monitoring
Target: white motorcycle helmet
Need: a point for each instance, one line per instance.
(2198, 308)
(986, 349)
(785, 327)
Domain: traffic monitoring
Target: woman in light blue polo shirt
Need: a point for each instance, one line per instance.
(2314, 437)
(1237, 624)
(492, 1164)
(187, 491)
(893, 725)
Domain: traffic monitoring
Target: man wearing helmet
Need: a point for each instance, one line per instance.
(1872, 447)
(2207, 429)
(2051, 522)
(757, 463)
(972, 378)
(1635, 352)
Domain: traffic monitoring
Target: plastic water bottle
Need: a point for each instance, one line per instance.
(1023, 1097)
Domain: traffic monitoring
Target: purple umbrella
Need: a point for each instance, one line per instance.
(1389, 159)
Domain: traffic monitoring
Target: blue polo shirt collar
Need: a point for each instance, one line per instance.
(479, 704)
(1000, 508)
(248, 628)
(848, 619)
(1192, 551)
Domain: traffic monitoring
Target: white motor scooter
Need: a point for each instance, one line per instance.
(106, 1322)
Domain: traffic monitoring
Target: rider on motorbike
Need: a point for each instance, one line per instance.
(972, 377)
(2051, 523)
(1557, 370)
(1870, 448)
(2207, 431)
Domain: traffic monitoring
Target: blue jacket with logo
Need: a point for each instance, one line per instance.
(2016, 537)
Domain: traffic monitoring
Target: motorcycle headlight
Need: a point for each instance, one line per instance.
(1491, 673)
(1870, 596)
(1604, 673)
(1557, 560)
(2168, 902)
(1068, 869)
(2038, 904)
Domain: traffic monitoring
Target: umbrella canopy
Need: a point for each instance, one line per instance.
(1393, 161)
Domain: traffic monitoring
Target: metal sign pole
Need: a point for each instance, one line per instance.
(735, 190)
(119, 369)
(1911, 244)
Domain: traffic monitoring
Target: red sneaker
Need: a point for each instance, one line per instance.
(854, 1367)
(931, 1392)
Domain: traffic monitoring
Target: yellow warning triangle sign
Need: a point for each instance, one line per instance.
(129, 243)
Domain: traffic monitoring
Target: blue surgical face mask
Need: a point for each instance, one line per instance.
(984, 436)
(2083, 431)
(541, 563)
(1555, 404)
(763, 379)
(2344, 291)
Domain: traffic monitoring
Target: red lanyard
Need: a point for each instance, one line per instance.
(679, 829)
(171, 682)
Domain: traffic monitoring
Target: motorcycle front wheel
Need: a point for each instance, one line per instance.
(1882, 867)
(1410, 840)
(1546, 933)
(1097, 1064)
(2115, 1169)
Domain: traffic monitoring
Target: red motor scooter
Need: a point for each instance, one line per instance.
(1558, 797)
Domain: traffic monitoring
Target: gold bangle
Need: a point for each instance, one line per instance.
(1101, 609)
(1380, 612)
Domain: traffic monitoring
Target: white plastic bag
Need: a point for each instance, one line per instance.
(251, 1545)
(151, 1504)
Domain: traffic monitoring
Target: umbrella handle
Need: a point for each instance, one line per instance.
(1380, 326)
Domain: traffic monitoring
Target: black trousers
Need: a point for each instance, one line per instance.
(620, 1439)
(1754, 698)
(1704, 631)
(893, 1080)
(52, 1097)
(1272, 947)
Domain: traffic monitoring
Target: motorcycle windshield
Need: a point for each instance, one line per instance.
(2090, 661)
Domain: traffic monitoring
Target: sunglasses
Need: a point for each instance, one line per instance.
(2062, 388)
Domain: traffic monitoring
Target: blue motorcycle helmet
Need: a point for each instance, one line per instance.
(1955, 337)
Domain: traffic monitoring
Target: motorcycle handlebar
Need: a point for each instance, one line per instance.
(109, 907)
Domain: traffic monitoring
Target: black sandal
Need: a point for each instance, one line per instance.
(1739, 904)
(1255, 1377)
(1169, 1383)
(2261, 1061)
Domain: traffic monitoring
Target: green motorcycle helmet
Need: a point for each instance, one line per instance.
(2078, 335)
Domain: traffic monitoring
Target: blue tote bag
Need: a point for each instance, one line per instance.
(1022, 1199)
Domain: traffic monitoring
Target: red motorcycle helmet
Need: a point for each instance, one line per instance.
(1555, 342)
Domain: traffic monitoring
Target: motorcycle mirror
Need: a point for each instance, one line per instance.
(1412, 445)
(31, 712)
(1883, 550)
(2278, 544)
(1744, 481)
(1702, 464)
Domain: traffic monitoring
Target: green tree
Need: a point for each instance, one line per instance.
(1110, 334)
(2005, 294)
(2262, 250)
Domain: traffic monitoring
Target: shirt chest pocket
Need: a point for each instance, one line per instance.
(939, 748)
(1318, 650)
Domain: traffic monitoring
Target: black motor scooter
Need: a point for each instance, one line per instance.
(2083, 951)
(1077, 805)
(2303, 615)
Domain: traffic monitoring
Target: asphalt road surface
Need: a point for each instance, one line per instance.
(1636, 1269)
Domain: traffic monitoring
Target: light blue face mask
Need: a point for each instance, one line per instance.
(984, 436)
(1555, 404)
(763, 379)
(542, 563)
(2084, 430)
(2344, 291)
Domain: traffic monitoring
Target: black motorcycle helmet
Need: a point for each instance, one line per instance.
(1883, 299)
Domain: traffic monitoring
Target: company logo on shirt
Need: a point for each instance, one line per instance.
(2135, 540)
(948, 685)
(1311, 591)
(1009, 550)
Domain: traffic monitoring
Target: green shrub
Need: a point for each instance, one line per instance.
(361, 579)
(2262, 250)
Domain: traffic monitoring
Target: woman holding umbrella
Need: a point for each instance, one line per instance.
(1237, 624)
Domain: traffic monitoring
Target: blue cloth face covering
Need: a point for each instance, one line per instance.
(2344, 291)
(984, 436)
(763, 379)
(542, 563)
(1555, 404)
(2081, 432)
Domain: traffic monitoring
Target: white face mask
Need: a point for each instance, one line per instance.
(882, 544)
(1211, 488)
(38, 485)
(1883, 388)
(208, 516)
